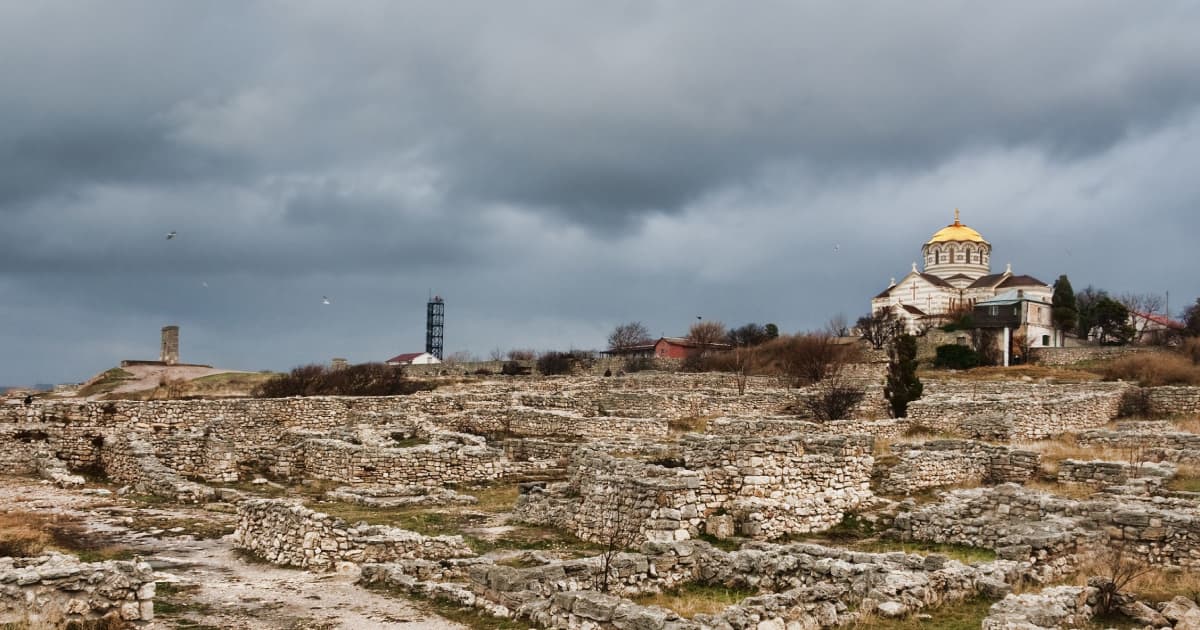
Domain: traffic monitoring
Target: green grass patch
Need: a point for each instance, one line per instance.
(105, 382)
(693, 599)
(534, 538)
(967, 614)
(722, 544)
(963, 553)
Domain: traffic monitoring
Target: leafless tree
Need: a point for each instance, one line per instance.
(621, 529)
(838, 326)
(496, 354)
(628, 335)
(1139, 306)
(706, 334)
(880, 327)
(517, 354)
(743, 360)
(1118, 569)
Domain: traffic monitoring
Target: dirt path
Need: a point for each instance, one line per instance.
(204, 583)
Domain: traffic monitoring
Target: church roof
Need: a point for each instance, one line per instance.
(912, 309)
(988, 281)
(1021, 281)
(936, 280)
(956, 232)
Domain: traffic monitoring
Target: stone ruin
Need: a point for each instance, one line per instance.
(593, 448)
(760, 487)
(54, 590)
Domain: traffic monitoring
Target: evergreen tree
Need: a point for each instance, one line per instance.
(1113, 320)
(1191, 319)
(902, 386)
(1064, 313)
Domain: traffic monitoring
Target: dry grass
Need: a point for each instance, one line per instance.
(30, 533)
(1187, 425)
(1187, 478)
(689, 424)
(21, 536)
(1155, 585)
(1035, 372)
(1055, 451)
(1154, 369)
(695, 599)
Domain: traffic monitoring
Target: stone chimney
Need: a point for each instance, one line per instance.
(170, 345)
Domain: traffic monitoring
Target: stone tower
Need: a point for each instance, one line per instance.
(170, 345)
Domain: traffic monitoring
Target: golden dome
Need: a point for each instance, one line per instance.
(956, 232)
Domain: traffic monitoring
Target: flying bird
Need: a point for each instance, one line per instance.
(324, 300)
(170, 235)
(204, 284)
(836, 248)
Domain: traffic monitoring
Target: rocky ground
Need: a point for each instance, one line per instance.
(203, 581)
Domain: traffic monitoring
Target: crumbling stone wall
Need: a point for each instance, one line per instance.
(1080, 354)
(803, 586)
(1179, 447)
(287, 533)
(1052, 532)
(1179, 400)
(1016, 411)
(130, 459)
(53, 590)
(765, 487)
(949, 462)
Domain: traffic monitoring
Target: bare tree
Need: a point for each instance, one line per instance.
(517, 354)
(1140, 305)
(1118, 569)
(628, 335)
(620, 530)
(743, 362)
(838, 326)
(496, 354)
(706, 334)
(880, 327)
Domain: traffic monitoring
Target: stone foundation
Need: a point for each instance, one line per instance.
(950, 462)
(287, 533)
(54, 590)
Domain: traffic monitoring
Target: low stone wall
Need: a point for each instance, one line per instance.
(802, 586)
(287, 533)
(1015, 411)
(54, 590)
(1178, 447)
(1057, 357)
(765, 487)
(785, 425)
(938, 463)
(1175, 401)
(431, 464)
(1051, 532)
(131, 460)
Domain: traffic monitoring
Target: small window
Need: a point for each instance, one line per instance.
(1046, 340)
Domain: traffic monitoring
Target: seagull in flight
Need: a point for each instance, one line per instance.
(204, 284)
(324, 300)
(170, 235)
(836, 248)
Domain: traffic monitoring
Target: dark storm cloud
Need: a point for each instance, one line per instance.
(557, 167)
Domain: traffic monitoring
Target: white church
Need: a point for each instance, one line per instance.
(957, 277)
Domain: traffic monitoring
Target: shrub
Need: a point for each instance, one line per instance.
(638, 364)
(802, 359)
(956, 357)
(834, 401)
(513, 368)
(1152, 369)
(902, 386)
(552, 363)
(1191, 349)
(364, 379)
(1135, 403)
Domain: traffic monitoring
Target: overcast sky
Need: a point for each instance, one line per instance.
(556, 168)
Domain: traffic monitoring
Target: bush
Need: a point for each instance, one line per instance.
(364, 379)
(513, 368)
(834, 402)
(802, 359)
(956, 357)
(553, 363)
(638, 364)
(1191, 349)
(1135, 403)
(1152, 369)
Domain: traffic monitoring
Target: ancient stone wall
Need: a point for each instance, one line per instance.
(1017, 411)
(1177, 446)
(1053, 532)
(766, 487)
(1175, 401)
(430, 464)
(54, 590)
(938, 463)
(1082, 354)
(287, 533)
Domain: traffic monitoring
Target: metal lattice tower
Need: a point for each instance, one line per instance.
(435, 319)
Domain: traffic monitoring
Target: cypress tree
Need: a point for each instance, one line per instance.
(902, 386)
(1064, 312)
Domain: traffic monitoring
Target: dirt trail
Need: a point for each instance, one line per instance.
(206, 584)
